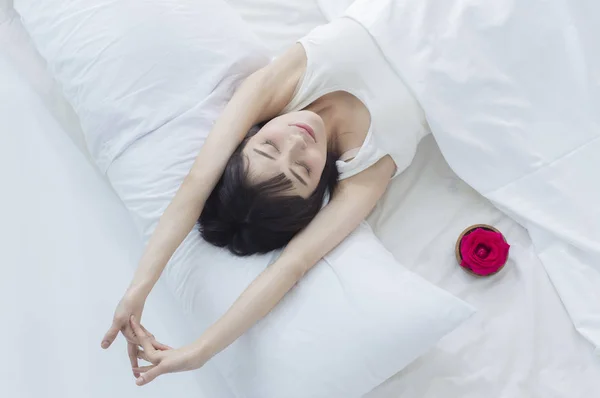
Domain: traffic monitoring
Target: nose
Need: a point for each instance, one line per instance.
(296, 142)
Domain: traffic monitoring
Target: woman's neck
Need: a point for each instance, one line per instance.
(339, 111)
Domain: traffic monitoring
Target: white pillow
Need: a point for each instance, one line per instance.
(140, 79)
(280, 23)
(356, 319)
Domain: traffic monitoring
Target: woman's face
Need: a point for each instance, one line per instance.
(294, 144)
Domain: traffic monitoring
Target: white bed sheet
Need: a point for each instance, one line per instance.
(520, 344)
(68, 249)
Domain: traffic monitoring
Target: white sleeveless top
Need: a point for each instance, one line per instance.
(342, 56)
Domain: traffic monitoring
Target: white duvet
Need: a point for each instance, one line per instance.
(511, 91)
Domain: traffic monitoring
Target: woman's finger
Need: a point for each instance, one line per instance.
(111, 335)
(132, 351)
(129, 335)
(143, 369)
(161, 346)
(142, 355)
(157, 345)
(142, 337)
(147, 332)
(150, 375)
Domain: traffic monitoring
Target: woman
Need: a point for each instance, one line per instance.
(331, 93)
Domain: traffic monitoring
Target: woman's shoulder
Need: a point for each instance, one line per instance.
(285, 72)
(289, 67)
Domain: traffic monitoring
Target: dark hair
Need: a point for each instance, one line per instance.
(257, 218)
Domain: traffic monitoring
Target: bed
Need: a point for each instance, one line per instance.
(58, 209)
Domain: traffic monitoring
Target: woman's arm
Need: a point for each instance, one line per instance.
(260, 97)
(351, 203)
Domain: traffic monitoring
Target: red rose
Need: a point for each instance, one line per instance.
(483, 251)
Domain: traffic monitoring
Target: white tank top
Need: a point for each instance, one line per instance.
(342, 56)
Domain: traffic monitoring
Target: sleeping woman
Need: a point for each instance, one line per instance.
(320, 124)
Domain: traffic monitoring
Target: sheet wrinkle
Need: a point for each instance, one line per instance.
(7, 16)
(110, 44)
(230, 80)
(544, 166)
(580, 242)
(110, 156)
(94, 10)
(579, 53)
(86, 68)
(340, 282)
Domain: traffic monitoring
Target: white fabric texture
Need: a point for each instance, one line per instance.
(520, 343)
(67, 248)
(354, 321)
(514, 106)
(280, 23)
(124, 103)
(6, 9)
(342, 56)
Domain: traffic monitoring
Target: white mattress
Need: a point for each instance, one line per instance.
(521, 343)
(68, 246)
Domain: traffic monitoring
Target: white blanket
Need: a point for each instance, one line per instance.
(511, 91)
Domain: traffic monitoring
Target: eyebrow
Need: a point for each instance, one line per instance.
(298, 177)
(291, 171)
(264, 154)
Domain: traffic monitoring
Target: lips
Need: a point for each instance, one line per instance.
(307, 129)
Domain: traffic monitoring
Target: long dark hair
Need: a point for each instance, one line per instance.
(258, 218)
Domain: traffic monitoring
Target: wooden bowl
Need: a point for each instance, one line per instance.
(467, 231)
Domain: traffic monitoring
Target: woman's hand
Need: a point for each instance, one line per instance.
(162, 360)
(130, 304)
(134, 351)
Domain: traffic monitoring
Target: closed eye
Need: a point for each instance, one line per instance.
(271, 143)
(305, 166)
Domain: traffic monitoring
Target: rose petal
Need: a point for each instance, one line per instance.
(476, 262)
(465, 246)
(494, 254)
(483, 251)
(484, 271)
